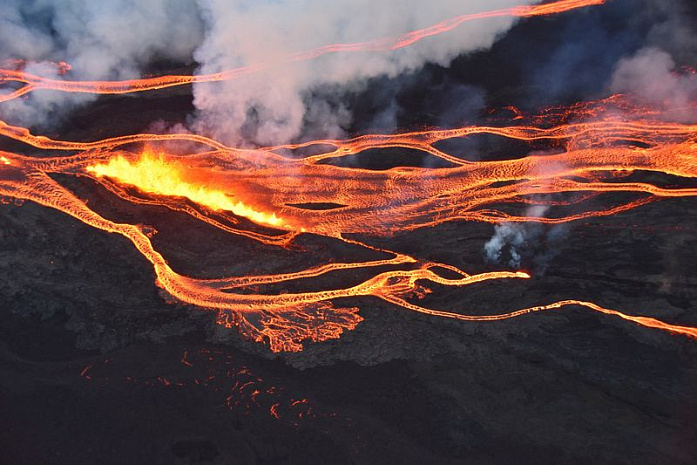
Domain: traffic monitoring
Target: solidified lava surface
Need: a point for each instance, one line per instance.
(100, 365)
(87, 374)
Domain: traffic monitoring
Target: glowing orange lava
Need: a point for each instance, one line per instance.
(155, 175)
(276, 191)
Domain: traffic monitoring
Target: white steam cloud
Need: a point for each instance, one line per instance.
(651, 75)
(516, 242)
(512, 241)
(274, 106)
(100, 40)
(119, 38)
(529, 244)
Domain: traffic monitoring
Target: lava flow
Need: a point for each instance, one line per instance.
(280, 193)
(272, 192)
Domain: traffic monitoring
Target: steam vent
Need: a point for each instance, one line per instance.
(348, 232)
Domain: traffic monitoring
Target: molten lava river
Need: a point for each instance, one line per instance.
(273, 195)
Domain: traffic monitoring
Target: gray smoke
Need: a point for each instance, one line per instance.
(576, 60)
(100, 40)
(274, 101)
(628, 46)
(651, 75)
(119, 39)
(508, 239)
(527, 244)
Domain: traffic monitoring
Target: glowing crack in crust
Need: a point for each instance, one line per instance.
(595, 151)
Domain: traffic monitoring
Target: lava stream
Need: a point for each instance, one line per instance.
(379, 203)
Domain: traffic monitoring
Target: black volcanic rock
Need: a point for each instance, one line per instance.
(563, 387)
(99, 366)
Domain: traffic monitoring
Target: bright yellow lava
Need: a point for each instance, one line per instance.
(4, 161)
(155, 175)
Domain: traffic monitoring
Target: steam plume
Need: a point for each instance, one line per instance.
(99, 40)
(273, 106)
(119, 39)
